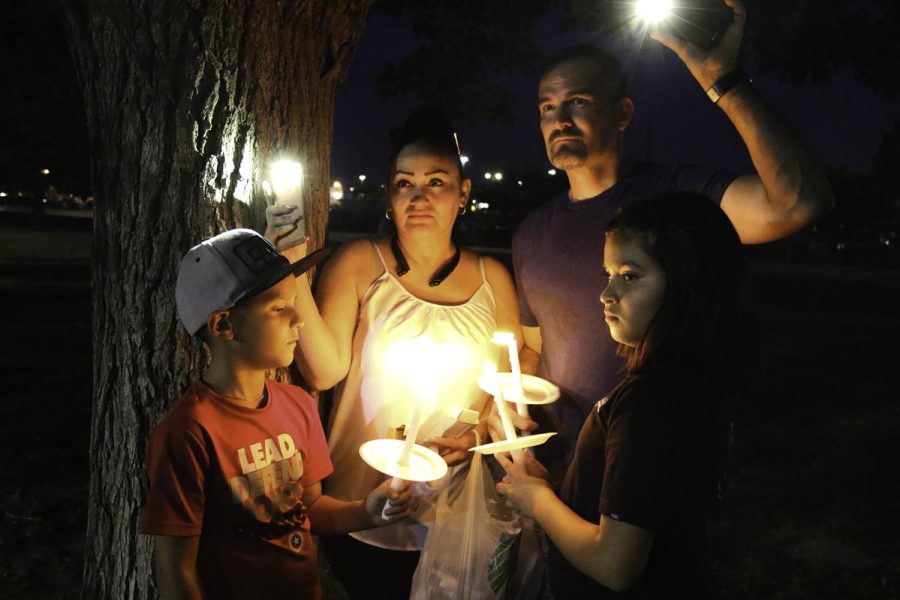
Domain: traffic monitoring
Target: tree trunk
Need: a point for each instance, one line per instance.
(187, 102)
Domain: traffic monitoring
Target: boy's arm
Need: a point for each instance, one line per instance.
(330, 516)
(175, 559)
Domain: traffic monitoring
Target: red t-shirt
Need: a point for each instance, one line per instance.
(235, 476)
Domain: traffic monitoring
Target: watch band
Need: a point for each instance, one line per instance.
(725, 83)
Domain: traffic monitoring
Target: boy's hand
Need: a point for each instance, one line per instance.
(401, 503)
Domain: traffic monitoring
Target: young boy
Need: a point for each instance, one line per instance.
(235, 465)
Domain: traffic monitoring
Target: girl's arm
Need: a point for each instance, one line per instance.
(330, 516)
(612, 553)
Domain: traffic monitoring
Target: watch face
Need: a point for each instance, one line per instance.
(699, 21)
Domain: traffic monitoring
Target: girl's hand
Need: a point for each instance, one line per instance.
(525, 484)
(400, 507)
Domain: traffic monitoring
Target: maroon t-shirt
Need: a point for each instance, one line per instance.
(651, 454)
(235, 477)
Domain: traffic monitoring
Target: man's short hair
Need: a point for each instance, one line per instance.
(608, 65)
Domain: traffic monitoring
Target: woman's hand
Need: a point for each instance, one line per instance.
(454, 451)
(525, 484)
(524, 425)
(280, 222)
(396, 504)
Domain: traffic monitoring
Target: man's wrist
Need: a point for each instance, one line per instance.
(725, 84)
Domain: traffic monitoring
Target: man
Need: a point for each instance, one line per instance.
(558, 249)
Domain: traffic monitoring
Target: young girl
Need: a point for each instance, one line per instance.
(633, 509)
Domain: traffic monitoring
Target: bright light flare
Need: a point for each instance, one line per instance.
(652, 11)
(286, 176)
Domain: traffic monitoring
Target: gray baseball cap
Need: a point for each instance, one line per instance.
(235, 265)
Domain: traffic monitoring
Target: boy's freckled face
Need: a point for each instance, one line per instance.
(266, 327)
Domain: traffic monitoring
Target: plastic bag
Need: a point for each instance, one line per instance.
(472, 545)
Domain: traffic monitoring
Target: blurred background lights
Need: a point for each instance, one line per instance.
(337, 191)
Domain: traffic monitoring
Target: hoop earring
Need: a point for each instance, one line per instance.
(387, 214)
(462, 210)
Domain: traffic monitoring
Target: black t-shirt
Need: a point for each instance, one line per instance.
(651, 454)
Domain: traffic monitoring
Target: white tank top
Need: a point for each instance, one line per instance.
(399, 342)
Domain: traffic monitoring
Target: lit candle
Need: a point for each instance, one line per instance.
(504, 337)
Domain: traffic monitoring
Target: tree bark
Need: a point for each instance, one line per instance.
(187, 102)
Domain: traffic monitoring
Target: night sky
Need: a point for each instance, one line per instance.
(840, 120)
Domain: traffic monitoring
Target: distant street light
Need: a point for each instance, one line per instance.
(498, 176)
(463, 159)
(488, 176)
(337, 191)
(362, 178)
(551, 172)
(45, 171)
(519, 182)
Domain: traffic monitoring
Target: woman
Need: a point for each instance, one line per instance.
(632, 511)
(396, 316)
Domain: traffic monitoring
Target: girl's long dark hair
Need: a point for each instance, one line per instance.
(704, 323)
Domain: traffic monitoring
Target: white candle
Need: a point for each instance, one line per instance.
(505, 417)
(512, 347)
(411, 431)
